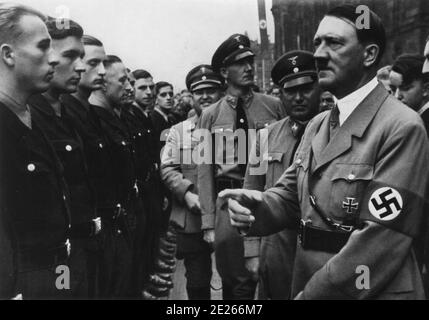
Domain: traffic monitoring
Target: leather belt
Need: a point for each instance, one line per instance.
(32, 260)
(318, 239)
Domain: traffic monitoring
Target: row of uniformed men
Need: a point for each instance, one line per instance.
(80, 182)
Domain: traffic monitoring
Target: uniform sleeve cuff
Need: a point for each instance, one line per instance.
(181, 189)
(208, 221)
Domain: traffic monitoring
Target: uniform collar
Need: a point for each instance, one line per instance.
(158, 109)
(193, 120)
(356, 126)
(9, 120)
(145, 113)
(100, 102)
(233, 100)
(349, 103)
(14, 106)
(423, 109)
(297, 127)
(40, 103)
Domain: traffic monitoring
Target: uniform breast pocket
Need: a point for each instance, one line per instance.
(263, 124)
(348, 185)
(225, 144)
(275, 168)
(187, 164)
(186, 158)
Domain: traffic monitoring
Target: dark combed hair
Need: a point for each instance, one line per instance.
(162, 84)
(374, 34)
(111, 59)
(141, 74)
(91, 41)
(10, 15)
(62, 28)
(409, 66)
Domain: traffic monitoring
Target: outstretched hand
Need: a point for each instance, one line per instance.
(240, 203)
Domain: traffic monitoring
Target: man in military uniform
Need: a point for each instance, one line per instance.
(358, 180)
(243, 109)
(34, 215)
(179, 174)
(145, 90)
(98, 152)
(58, 126)
(150, 188)
(295, 72)
(162, 120)
(116, 282)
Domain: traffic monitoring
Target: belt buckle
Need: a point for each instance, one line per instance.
(68, 247)
(343, 227)
(302, 226)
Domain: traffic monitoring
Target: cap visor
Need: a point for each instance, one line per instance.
(298, 81)
(205, 84)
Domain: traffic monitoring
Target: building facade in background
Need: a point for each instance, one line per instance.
(406, 22)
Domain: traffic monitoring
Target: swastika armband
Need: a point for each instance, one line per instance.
(393, 207)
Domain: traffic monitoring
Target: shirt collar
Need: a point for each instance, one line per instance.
(349, 103)
(233, 100)
(157, 109)
(423, 109)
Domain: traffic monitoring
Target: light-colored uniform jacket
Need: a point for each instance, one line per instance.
(276, 148)
(179, 173)
(261, 110)
(378, 160)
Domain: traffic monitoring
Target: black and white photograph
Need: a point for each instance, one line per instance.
(214, 155)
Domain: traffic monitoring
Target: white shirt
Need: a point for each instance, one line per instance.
(349, 103)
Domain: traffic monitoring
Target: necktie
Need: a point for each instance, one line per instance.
(241, 123)
(334, 122)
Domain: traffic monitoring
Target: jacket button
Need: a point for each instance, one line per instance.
(69, 148)
(299, 161)
(351, 176)
(31, 167)
(241, 120)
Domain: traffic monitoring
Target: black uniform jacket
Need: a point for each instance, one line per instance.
(34, 216)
